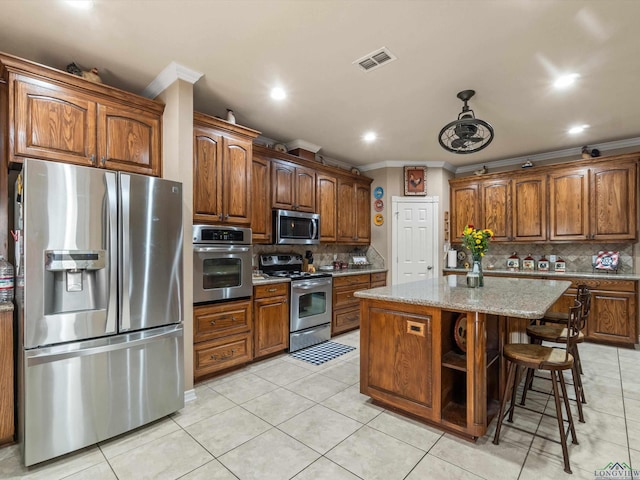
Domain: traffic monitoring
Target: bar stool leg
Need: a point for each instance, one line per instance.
(563, 438)
(577, 385)
(507, 389)
(563, 386)
(513, 394)
(576, 357)
(528, 383)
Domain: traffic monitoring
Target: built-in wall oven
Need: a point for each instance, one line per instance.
(311, 304)
(221, 263)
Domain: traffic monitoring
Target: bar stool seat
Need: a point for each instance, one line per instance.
(533, 356)
(552, 333)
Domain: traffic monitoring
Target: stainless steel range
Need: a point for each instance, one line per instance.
(310, 313)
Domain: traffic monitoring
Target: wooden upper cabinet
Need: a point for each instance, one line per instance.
(207, 150)
(326, 197)
(261, 199)
(569, 204)
(60, 117)
(54, 124)
(222, 171)
(613, 200)
(465, 208)
(129, 139)
(354, 212)
(529, 211)
(293, 187)
(496, 208)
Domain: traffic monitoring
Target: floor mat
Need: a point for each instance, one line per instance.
(323, 352)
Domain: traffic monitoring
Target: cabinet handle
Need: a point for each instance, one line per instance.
(103, 160)
(224, 355)
(219, 216)
(212, 323)
(226, 217)
(272, 290)
(285, 301)
(93, 158)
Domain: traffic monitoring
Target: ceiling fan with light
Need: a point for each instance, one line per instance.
(467, 134)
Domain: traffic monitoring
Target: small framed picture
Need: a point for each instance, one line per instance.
(415, 179)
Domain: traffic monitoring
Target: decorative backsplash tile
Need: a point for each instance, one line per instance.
(578, 256)
(323, 254)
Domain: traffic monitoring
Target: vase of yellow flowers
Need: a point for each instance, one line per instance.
(477, 242)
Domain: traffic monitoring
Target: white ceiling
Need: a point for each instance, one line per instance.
(509, 51)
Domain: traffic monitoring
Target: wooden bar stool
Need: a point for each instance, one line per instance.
(555, 332)
(554, 360)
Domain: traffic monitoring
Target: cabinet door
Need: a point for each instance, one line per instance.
(207, 169)
(6, 377)
(271, 325)
(305, 191)
(129, 139)
(496, 209)
(613, 202)
(569, 204)
(54, 124)
(261, 200)
(465, 202)
(282, 185)
(529, 213)
(346, 211)
(235, 182)
(327, 188)
(613, 317)
(363, 213)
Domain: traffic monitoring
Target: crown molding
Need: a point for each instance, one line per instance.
(172, 72)
(303, 144)
(400, 164)
(567, 152)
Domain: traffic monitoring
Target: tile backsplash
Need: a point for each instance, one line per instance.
(578, 256)
(323, 254)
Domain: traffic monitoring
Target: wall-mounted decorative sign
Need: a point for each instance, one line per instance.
(415, 179)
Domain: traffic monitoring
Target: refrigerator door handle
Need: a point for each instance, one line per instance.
(38, 358)
(125, 305)
(112, 247)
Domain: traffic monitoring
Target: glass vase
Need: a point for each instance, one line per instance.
(477, 268)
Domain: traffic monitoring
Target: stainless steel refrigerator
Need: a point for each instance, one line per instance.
(99, 293)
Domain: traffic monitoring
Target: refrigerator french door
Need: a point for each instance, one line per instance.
(100, 308)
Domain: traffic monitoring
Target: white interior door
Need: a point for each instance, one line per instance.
(414, 239)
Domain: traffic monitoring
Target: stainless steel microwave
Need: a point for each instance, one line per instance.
(295, 228)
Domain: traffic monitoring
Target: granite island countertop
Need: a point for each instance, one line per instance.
(513, 297)
(551, 274)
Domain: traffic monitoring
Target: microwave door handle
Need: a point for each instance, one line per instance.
(230, 249)
(314, 229)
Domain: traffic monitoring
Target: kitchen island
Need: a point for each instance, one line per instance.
(411, 362)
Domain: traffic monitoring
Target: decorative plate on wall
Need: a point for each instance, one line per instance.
(378, 192)
(378, 219)
(378, 205)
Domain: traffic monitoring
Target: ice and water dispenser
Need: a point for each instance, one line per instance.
(75, 280)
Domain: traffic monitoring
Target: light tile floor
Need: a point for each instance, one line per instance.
(286, 419)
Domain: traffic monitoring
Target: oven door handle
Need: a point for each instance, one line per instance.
(310, 285)
(230, 249)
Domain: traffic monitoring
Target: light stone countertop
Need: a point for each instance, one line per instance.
(6, 306)
(536, 273)
(513, 297)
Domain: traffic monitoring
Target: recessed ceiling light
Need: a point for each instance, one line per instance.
(577, 129)
(80, 4)
(369, 137)
(566, 80)
(278, 93)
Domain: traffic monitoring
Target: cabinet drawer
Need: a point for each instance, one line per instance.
(271, 290)
(219, 354)
(344, 297)
(605, 284)
(346, 320)
(213, 321)
(379, 277)
(378, 284)
(351, 280)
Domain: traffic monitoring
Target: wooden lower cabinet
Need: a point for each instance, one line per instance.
(222, 337)
(346, 307)
(6, 376)
(271, 318)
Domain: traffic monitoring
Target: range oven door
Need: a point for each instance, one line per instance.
(310, 303)
(221, 272)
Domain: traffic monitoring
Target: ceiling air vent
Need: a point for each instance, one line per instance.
(375, 59)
